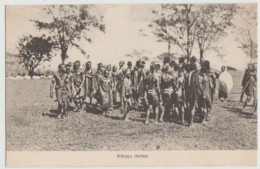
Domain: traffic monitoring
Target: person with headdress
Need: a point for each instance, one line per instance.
(252, 89)
(205, 97)
(126, 94)
(245, 81)
(225, 84)
(89, 82)
(105, 87)
(152, 95)
(78, 80)
(192, 91)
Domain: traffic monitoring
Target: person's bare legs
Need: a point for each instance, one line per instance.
(254, 107)
(192, 113)
(148, 114)
(246, 102)
(126, 111)
(182, 111)
(162, 114)
(156, 114)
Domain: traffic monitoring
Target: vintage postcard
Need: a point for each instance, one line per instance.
(131, 84)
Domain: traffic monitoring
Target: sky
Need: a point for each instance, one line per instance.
(122, 36)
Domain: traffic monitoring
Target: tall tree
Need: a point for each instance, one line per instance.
(175, 24)
(247, 34)
(33, 51)
(68, 24)
(161, 26)
(212, 24)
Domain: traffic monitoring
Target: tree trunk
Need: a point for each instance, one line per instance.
(201, 55)
(169, 49)
(64, 55)
(31, 72)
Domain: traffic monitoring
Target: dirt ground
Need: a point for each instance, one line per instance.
(28, 130)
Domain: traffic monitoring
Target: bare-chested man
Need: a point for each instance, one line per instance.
(61, 84)
(152, 94)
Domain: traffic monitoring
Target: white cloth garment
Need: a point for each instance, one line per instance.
(225, 82)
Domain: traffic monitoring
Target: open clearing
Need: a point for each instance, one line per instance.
(28, 130)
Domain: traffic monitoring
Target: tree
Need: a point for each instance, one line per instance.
(68, 25)
(161, 26)
(247, 34)
(175, 25)
(212, 24)
(33, 51)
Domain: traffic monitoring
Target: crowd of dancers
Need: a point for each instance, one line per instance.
(181, 87)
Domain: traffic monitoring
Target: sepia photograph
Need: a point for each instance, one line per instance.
(131, 77)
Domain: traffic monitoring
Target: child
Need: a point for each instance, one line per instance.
(61, 85)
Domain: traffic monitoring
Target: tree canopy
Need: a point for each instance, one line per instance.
(68, 24)
(33, 51)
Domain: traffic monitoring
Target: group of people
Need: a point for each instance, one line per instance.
(173, 90)
(169, 90)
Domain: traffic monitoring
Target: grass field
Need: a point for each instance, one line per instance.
(28, 130)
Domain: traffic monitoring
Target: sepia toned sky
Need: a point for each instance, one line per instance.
(122, 36)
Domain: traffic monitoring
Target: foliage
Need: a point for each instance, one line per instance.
(184, 24)
(33, 51)
(174, 23)
(247, 35)
(212, 24)
(68, 24)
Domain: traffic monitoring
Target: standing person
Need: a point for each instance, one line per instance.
(134, 79)
(176, 96)
(96, 81)
(126, 94)
(120, 80)
(69, 74)
(167, 91)
(180, 95)
(109, 69)
(225, 84)
(245, 81)
(152, 95)
(78, 81)
(105, 92)
(252, 89)
(114, 83)
(61, 84)
(192, 90)
(140, 80)
(205, 98)
(89, 84)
